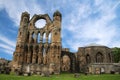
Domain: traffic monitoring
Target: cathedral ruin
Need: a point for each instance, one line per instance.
(35, 53)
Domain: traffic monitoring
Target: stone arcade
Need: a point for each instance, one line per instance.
(35, 54)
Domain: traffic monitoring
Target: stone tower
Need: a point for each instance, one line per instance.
(32, 48)
(21, 39)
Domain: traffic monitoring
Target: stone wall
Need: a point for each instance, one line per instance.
(101, 68)
(93, 54)
(36, 45)
(39, 50)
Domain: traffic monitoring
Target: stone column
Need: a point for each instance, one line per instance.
(41, 38)
(46, 38)
(35, 39)
(45, 59)
(28, 58)
(40, 58)
(34, 55)
(34, 58)
(30, 38)
(28, 55)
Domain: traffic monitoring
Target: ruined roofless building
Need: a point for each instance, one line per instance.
(36, 53)
(29, 51)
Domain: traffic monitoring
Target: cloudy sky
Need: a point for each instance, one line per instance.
(83, 22)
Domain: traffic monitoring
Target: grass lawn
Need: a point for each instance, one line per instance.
(62, 77)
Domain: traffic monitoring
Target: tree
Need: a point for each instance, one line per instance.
(116, 53)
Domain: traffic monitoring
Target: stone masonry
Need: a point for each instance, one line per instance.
(37, 54)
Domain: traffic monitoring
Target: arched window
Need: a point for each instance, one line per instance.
(38, 38)
(49, 38)
(44, 37)
(99, 57)
(88, 59)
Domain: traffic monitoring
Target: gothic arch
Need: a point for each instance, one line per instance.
(72, 60)
(99, 57)
(66, 63)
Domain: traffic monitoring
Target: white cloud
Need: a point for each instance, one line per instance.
(7, 41)
(6, 48)
(14, 8)
(7, 45)
(84, 25)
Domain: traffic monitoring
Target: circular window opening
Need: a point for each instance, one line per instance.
(40, 23)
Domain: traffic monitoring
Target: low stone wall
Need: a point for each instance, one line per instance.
(100, 68)
(35, 69)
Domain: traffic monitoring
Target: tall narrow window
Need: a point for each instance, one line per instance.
(33, 37)
(49, 38)
(38, 38)
(44, 37)
(88, 59)
(27, 39)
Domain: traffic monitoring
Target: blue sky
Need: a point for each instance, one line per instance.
(83, 22)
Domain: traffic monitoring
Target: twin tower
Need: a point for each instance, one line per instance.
(32, 48)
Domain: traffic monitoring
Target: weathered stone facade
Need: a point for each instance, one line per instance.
(29, 50)
(36, 55)
(86, 56)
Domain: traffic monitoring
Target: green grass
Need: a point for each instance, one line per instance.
(61, 77)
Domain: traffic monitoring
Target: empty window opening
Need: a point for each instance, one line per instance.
(44, 37)
(38, 38)
(40, 23)
(33, 37)
(99, 57)
(88, 59)
(49, 38)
